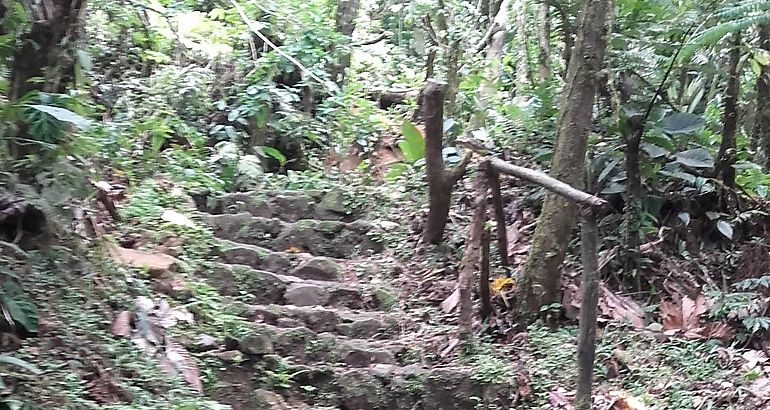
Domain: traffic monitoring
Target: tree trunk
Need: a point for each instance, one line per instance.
(762, 119)
(440, 181)
(539, 281)
(345, 24)
(544, 43)
(523, 75)
(46, 51)
(726, 156)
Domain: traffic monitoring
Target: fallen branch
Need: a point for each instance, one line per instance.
(384, 35)
(547, 182)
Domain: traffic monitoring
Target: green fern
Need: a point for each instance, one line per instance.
(737, 17)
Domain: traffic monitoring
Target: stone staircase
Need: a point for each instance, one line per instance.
(314, 284)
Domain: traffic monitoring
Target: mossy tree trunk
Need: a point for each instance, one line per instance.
(540, 280)
(762, 120)
(726, 155)
(345, 24)
(46, 51)
(440, 180)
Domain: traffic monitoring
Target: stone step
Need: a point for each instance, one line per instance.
(378, 387)
(288, 206)
(300, 345)
(321, 238)
(373, 325)
(263, 287)
(301, 265)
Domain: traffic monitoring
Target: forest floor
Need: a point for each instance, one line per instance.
(322, 298)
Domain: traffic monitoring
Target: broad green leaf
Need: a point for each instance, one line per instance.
(614, 188)
(660, 140)
(19, 306)
(695, 158)
(682, 123)
(64, 115)
(84, 59)
(654, 151)
(275, 154)
(395, 171)
(606, 171)
(413, 145)
(725, 229)
(251, 166)
(20, 363)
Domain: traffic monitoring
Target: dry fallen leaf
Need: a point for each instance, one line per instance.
(184, 364)
(450, 303)
(683, 316)
(175, 218)
(121, 326)
(500, 284)
(761, 388)
(620, 307)
(624, 401)
(559, 399)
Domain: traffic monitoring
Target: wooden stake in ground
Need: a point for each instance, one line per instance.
(588, 308)
(471, 254)
(440, 181)
(497, 206)
(592, 205)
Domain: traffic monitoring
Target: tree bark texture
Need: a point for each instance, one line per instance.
(471, 255)
(726, 156)
(45, 51)
(762, 119)
(544, 42)
(440, 181)
(345, 24)
(523, 74)
(540, 279)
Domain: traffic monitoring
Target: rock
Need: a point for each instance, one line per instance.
(322, 320)
(292, 208)
(267, 400)
(364, 357)
(287, 322)
(230, 356)
(361, 328)
(156, 264)
(385, 299)
(206, 343)
(333, 201)
(256, 344)
(318, 268)
(305, 294)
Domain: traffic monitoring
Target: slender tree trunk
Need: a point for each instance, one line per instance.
(544, 42)
(523, 74)
(46, 52)
(440, 181)
(762, 119)
(540, 279)
(726, 156)
(345, 24)
(453, 77)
